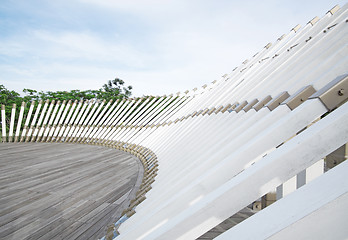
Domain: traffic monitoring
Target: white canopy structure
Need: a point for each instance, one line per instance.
(221, 154)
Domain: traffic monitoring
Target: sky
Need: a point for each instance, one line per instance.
(156, 46)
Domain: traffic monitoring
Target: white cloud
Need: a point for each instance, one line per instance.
(66, 46)
(156, 46)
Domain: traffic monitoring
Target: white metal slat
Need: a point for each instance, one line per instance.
(13, 115)
(87, 121)
(193, 163)
(44, 125)
(156, 120)
(144, 121)
(132, 118)
(26, 124)
(223, 170)
(312, 55)
(61, 121)
(19, 123)
(278, 72)
(119, 120)
(178, 187)
(115, 116)
(285, 214)
(33, 123)
(104, 121)
(135, 132)
(38, 125)
(82, 113)
(92, 121)
(81, 120)
(201, 143)
(300, 152)
(3, 122)
(54, 120)
(69, 120)
(97, 122)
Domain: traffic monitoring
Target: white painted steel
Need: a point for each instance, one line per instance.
(26, 124)
(3, 123)
(20, 118)
(93, 119)
(120, 130)
(98, 122)
(98, 119)
(41, 132)
(105, 120)
(298, 153)
(311, 219)
(223, 165)
(80, 117)
(33, 123)
(117, 122)
(89, 118)
(52, 118)
(38, 125)
(61, 120)
(88, 105)
(68, 121)
(13, 114)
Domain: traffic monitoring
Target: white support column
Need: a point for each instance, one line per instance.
(83, 124)
(61, 108)
(140, 117)
(115, 133)
(174, 106)
(73, 120)
(68, 122)
(26, 124)
(94, 121)
(3, 121)
(48, 115)
(104, 120)
(85, 109)
(19, 123)
(143, 111)
(61, 121)
(43, 112)
(147, 118)
(13, 115)
(51, 124)
(111, 118)
(32, 125)
(119, 123)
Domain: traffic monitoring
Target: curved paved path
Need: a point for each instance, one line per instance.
(63, 191)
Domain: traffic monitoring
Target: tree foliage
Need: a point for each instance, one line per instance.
(112, 90)
(115, 88)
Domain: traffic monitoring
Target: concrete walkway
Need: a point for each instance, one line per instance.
(63, 191)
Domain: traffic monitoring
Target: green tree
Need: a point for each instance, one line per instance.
(8, 98)
(114, 89)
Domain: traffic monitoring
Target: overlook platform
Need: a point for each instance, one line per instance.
(260, 153)
(63, 191)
